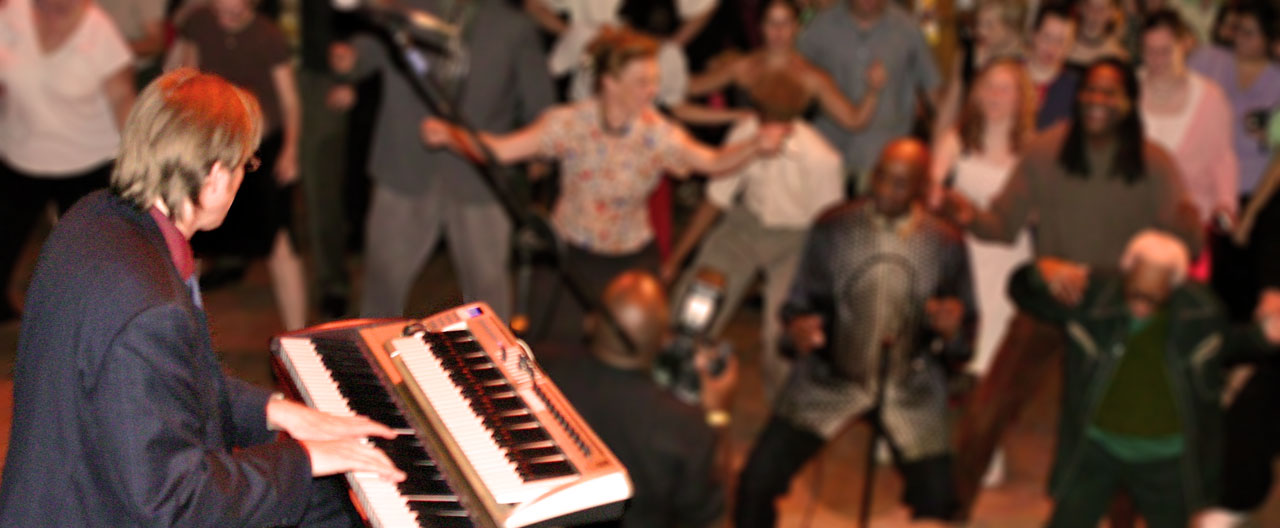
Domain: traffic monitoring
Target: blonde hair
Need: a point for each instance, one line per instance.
(1157, 248)
(180, 126)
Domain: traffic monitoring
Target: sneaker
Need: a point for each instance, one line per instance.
(996, 471)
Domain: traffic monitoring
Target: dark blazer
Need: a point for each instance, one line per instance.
(1200, 342)
(666, 445)
(122, 414)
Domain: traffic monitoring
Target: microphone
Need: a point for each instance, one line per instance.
(419, 25)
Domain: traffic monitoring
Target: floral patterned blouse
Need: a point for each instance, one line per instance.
(606, 178)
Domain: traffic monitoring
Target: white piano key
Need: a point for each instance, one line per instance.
(383, 503)
(489, 459)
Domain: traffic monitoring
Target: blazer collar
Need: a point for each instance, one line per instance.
(178, 246)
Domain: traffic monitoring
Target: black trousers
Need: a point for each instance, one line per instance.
(557, 316)
(784, 448)
(323, 159)
(1252, 440)
(1154, 486)
(23, 197)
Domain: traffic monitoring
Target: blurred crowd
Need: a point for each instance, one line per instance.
(941, 201)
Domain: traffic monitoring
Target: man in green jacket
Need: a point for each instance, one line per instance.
(1142, 380)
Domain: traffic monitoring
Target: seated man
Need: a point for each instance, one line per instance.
(1142, 380)
(122, 415)
(668, 447)
(880, 278)
(769, 205)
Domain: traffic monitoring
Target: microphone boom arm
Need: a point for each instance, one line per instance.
(494, 174)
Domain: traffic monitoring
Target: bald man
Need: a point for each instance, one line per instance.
(668, 447)
(877, 276)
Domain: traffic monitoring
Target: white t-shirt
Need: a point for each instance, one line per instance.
(787, 190)
(55, 119)
(1167, 130)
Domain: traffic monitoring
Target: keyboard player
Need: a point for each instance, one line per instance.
(670, 449)
(122, 414)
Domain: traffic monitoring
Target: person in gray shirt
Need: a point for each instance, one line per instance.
(501, 82)
(845, 40)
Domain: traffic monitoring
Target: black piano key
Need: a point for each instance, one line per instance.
(506, 404)
(487, 374)
(545, 470)
(516, 420)
(447, 522)
(538, 452)
(418, 484)
(425, 488)
(515, 437)
(467, 347)
(431, 509)
(358, 383)
(421, 475)
(493, 399)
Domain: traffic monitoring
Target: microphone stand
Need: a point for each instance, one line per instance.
(877, 432)
(875, 415)
(531, 231)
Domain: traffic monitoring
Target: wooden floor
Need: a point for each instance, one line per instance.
(243, 319)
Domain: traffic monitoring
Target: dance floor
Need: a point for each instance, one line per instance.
(827, 494)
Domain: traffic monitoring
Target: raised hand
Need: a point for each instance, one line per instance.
(807, 334)
(342, 57)
(1268, 314)
(436, 133)
(1066, 280)
(877, 76)
(946, 316)
(956, 208)
(286, 171)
